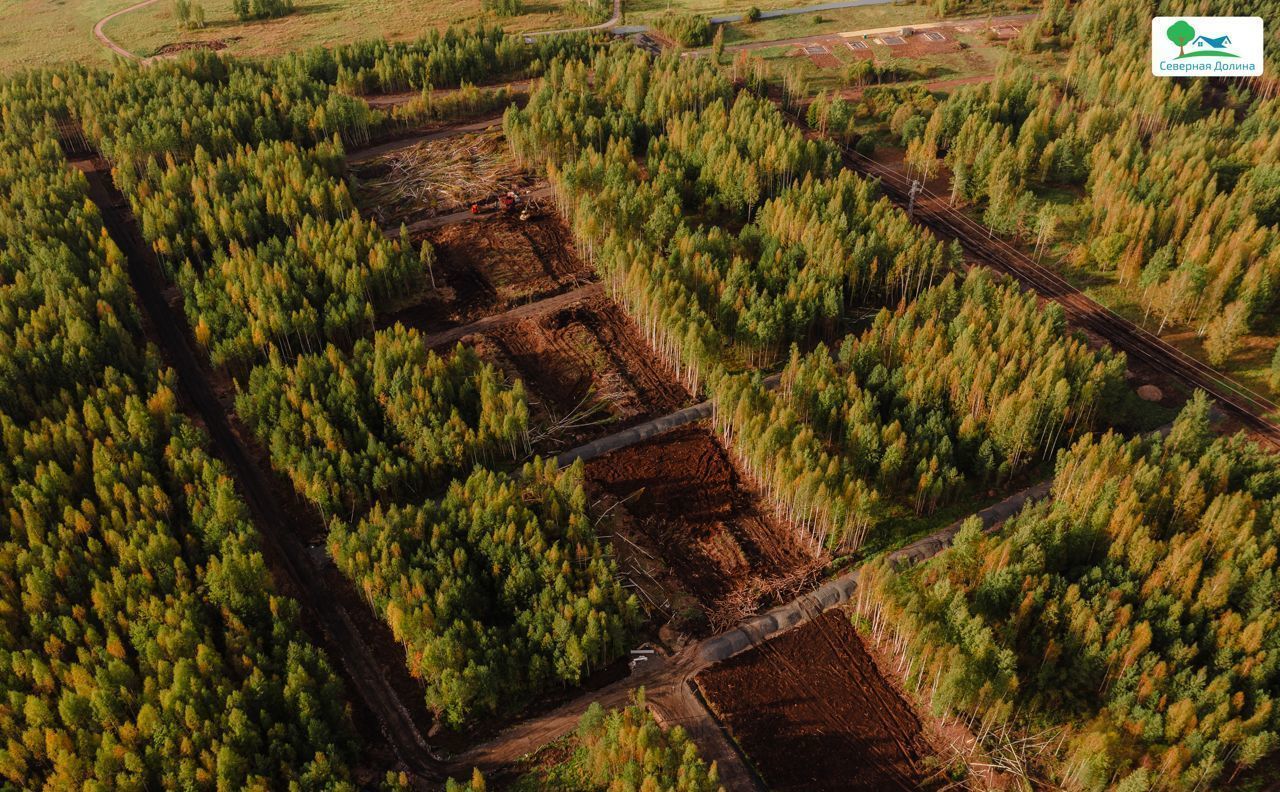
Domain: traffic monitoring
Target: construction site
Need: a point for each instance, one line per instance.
(690, 534)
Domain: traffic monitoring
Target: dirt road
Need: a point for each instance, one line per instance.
(305, 578)
(612, 21)
(668, 679)
(100, 34)
(935, 212)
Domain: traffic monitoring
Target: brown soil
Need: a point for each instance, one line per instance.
(825, 61)
(174, 48)
(917, 45)
(813, 712)
(690, 508)
(862, 54)
(491, 265)
(586, 367)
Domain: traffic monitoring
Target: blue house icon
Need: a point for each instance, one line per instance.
(1216, 43)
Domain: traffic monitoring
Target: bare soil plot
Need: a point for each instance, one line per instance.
(821, 56)
(813, 712)
(494, 264)
(690, 508)
(587, 370)
(933, 42)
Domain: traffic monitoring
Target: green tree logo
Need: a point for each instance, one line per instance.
(1181, 33)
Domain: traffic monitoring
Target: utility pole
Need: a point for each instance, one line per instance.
(916, 187)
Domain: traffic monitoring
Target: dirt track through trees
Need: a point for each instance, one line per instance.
(366, 677)
(814, 713)
(936, 213)
(667, 679)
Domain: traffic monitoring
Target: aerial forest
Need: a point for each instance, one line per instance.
(1132, 616)
(144, 643)
(860, 374)
(736, 242)
(1167, 187)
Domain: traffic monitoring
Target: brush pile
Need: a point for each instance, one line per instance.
(437, 176)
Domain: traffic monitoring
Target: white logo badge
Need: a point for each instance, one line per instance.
(1206, 46)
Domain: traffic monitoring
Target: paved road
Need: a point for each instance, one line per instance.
(100, 34)
(810, 9)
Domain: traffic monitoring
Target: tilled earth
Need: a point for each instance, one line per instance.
(690, 506)
(813, 712)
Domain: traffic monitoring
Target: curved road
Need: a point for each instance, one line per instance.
(100, 34)
(106, 41)
(605, 25)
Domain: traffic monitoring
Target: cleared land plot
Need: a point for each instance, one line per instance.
(821, 56)
(437, 177)
(688, 506)
(321, 23)
(812, 712)
(587, 370)
(924, 44)
(494, 264)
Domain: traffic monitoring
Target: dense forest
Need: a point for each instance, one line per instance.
(1135, 611)
(734, 238)
(497, 589)
(143, 642)
(622, 750)
(388, 420)
(270, 251)
(963, 387)
(282, 281)
(1177, 181)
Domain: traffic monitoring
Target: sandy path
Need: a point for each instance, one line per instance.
(106, 41)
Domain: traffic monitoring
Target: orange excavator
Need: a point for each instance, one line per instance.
(506, 202)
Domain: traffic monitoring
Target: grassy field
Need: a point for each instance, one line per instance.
(639, 11)
(37, 33)
(40, 32)
(844, 19)
(322, 22)
(980, 57)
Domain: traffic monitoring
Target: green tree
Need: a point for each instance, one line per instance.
(1181, 33)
